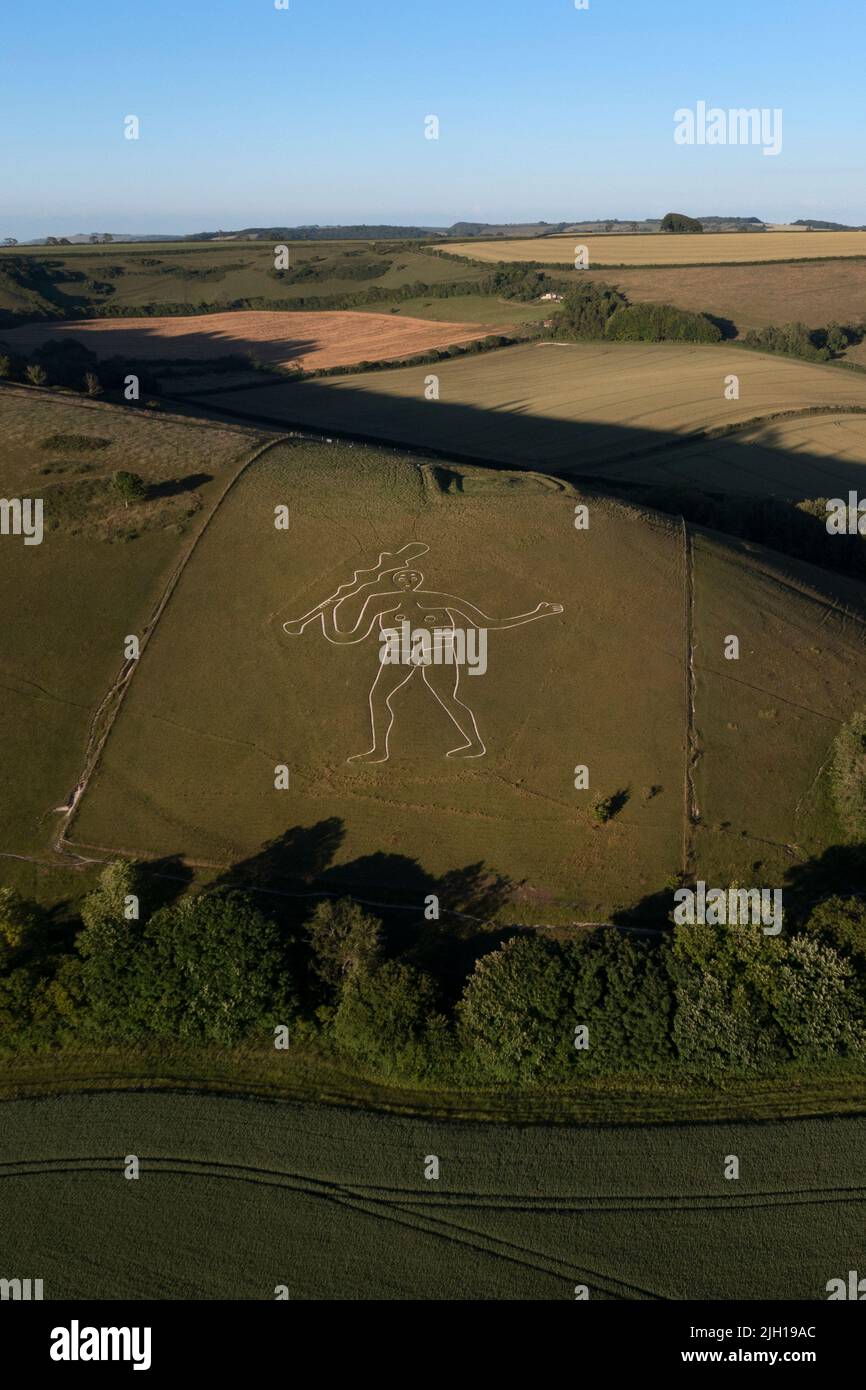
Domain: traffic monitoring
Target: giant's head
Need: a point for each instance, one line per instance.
(407, 579)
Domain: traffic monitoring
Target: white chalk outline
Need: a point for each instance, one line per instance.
(403, 574)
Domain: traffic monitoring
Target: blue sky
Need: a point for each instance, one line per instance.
(254, 116)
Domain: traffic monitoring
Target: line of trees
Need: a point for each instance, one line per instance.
(217, 967)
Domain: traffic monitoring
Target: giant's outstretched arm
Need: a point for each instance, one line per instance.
(475, 616)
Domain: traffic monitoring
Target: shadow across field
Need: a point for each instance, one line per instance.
(840, 871)
(175, 487)
(303, 857)
(296, 870)
(758, 492)
(513, 437)
(150, 342)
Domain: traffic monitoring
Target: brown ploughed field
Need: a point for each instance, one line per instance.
(308, 340)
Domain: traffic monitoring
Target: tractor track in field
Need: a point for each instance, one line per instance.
(427, 1214)
(396, 1208)
(485, 1201)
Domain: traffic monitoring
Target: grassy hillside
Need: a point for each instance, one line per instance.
(470, 308)
(605, 683)
(188, 772)
(69, 603)
(81, 281)
(237, 1197)
(304, 702)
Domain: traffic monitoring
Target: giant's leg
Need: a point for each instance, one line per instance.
(444, 682)
(389, 678)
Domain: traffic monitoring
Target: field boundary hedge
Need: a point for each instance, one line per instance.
(839, 1090)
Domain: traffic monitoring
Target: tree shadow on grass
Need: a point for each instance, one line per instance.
(609, 806)
(174, 487)
(651, 912)
(440, 923)
(291, 861)
(447, 479)
(295, 871)
(839, 872)
(167, 880)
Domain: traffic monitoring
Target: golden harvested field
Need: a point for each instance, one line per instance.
(754, 296)
(662, 248)
(574, 407)
(815, 456)
(310, 340)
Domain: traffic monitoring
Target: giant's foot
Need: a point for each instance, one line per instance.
(474, 749)
(373, 755)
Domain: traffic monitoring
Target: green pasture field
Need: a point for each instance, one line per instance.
(236, 1198)
(127, 277)
(69, 603)
(468, 308)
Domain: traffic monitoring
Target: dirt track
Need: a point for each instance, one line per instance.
(310, 340)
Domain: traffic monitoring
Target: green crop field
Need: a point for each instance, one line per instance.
(236, 1199)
